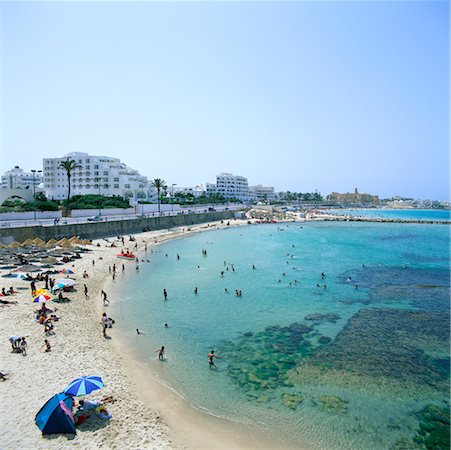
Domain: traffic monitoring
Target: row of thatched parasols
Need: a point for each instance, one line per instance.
(38, 242)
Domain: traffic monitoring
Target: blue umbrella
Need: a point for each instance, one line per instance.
(57, 287)
(83, 386)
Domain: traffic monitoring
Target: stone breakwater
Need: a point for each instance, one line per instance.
(327, 217)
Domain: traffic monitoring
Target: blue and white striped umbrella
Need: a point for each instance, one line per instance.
(83, 386)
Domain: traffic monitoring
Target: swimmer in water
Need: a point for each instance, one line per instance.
(139, 332)
(160, 353)
(211, 356)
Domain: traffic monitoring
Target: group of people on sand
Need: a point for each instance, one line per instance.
(7, 293)
(106, 322)
(19, 344)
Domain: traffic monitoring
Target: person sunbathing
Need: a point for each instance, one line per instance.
(8, 302)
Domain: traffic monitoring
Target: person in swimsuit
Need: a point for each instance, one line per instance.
(211, 356)
(160, 353)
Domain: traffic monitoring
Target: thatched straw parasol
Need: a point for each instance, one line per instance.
(27, 243)
(38, 241)
(76, 241)
(52, 241)
(14, 244)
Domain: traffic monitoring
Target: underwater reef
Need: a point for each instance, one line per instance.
(391, 343)
(427, 289)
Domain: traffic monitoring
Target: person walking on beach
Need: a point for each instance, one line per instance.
(23, 347)
(165, 294)
(211, 356)
(47, 346)
(104, 298)
(86, 291)
(160, 353)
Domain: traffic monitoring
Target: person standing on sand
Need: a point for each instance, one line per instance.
(165, 294)
(23, 347)
(86, 291)
(105, 298)
(160, 353)
(211, 356)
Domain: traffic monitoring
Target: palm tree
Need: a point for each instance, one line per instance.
(158, 184)
(69, 165)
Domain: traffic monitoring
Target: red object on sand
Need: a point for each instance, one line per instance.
(126, 256)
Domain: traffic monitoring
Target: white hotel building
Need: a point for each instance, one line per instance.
(18, 179)
(102, 175)
(230, 186)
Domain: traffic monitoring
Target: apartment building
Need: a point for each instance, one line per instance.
(16, 178)
(102, 175)
(230, 186)
(260, 192)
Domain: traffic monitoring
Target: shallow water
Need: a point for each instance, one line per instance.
(348, 365)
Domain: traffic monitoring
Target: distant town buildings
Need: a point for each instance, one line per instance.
(262, 193)
(195, 191)
(355, 198)
(229, 186)
(102, 175)
(16, 178)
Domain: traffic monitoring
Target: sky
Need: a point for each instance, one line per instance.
(302, 96)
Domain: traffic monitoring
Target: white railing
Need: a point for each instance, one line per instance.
(76, 220)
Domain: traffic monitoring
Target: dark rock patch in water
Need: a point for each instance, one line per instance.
(261, 360)
(433, 432)
(292, 400)
(422, 288)
(319, 317)
(391, 343)
(331, 403)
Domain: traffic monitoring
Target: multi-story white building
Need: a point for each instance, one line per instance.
(230, 186)
(260, 192)
(102, 175)
(18, 179)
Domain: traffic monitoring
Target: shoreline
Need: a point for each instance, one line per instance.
(155, 417)
(191, 427)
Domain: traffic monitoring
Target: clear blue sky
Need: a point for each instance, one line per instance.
(298, 95)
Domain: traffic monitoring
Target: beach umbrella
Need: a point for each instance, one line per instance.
(21, 276)
(83, 386)
(66, 282)
(41, 298)
(38, 241)
(28, 268)
(41, 291)
(68, 271)
(27, 242)
(57, 287)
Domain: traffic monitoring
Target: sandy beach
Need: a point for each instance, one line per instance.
(146, 414)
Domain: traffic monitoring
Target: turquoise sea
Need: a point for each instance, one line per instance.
(400, 214)
(356, 358)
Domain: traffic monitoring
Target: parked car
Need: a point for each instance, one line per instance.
(95, 219)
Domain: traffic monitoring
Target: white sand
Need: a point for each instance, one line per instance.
(146, 415)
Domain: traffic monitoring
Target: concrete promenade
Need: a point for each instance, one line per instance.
(94, 230)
